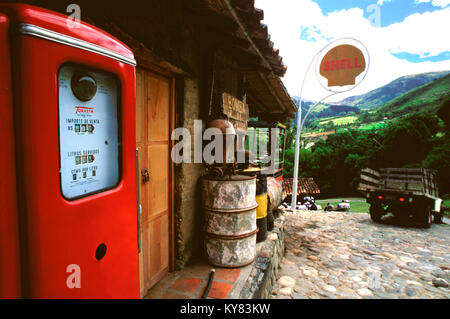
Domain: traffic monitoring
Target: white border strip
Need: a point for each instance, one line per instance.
(39, 32)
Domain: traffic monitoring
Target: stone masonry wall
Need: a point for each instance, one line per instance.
(264, 274)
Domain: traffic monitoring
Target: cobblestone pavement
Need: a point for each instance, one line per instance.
(346, 255)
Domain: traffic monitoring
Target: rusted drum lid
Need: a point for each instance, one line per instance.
(229, 177)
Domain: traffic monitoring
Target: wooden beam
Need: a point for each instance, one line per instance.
(260, 33)
(246, 59)
(211, 18)
(264, 44)
(217, 36)
(274, 116)
(259, 104)
(245, 5)
(272, 91)
(250, 19)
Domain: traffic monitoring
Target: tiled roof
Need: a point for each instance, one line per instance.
(305, 186)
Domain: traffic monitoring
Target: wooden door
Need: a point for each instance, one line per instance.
(154, 105)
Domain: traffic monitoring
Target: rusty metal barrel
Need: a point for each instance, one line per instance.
(275, 194)
(230, 219)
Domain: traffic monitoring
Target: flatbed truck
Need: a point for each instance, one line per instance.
(403, 192)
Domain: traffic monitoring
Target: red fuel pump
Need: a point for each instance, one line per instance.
(9, 231)
(73, 104)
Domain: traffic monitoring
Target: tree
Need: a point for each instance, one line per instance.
(439, 159)
(444, 114)
(335, 163)
(407, 141)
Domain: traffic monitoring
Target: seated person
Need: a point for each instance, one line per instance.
(344, 205)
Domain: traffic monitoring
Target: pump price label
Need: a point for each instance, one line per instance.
(88, 131)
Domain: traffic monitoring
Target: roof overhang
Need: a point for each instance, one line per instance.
(248, 40)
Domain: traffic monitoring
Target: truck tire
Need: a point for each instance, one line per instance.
(376, 212)
(425, 215)
(437, 218)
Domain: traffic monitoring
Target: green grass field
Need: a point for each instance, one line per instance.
(357, 204)
(372, 126)
(340, 120)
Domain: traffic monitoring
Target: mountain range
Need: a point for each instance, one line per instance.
(426, 98)
(384, 94)
(386, 98)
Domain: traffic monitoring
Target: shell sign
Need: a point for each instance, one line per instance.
(342, 64)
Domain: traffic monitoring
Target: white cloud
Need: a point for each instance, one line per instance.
(381, 2)
(436, 3)
(421, 34)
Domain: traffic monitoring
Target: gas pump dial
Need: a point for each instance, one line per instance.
(84, 86)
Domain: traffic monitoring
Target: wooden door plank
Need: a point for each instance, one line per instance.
(156, 120)
(141, 110)
(158, 100)
(158, 159)
(172, 180)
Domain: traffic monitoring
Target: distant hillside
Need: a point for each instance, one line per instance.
(426, 98)
(324, 110)
(372, 99)
(390, 91)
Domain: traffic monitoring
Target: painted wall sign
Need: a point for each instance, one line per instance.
(88, 133)
(342, 64)
(236, 110)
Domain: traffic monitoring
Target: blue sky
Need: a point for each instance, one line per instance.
(392, 11)
(403, 37)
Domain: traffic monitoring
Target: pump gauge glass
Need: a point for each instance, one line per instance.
(84, 86)
(95, 115)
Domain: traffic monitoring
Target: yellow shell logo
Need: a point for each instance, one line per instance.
(342, 64)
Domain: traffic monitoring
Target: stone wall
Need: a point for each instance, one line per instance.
(187, 197)
(264, 271)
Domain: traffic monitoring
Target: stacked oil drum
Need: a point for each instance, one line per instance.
(230, 219)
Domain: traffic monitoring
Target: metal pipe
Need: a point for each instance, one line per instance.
(297, 138)
(208, 287)
(297, 152)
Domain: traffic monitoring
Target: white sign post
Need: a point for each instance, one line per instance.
(343, 65)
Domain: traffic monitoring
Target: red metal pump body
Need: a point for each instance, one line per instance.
(70, 246)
